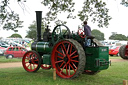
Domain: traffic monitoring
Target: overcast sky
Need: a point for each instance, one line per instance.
(118, 13)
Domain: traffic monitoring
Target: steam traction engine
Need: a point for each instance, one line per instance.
(123, 51)
(65, 51)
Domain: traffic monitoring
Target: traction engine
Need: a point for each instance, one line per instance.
(123, 51)
(66, 52)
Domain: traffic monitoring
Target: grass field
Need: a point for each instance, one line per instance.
(18, 76)
(115, 57)
(4, 60)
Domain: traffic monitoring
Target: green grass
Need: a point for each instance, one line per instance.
(114, 75)
(4, 60)
(115, 57)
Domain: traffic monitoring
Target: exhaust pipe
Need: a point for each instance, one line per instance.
(38, 22)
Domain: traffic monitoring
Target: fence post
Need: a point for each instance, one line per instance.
(125, 82)
(54, 74)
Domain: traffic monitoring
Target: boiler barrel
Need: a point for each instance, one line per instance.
(42, 47)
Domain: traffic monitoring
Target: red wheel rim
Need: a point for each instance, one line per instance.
(65, 59)
(81, 33)
(45, 66)
(30, 61)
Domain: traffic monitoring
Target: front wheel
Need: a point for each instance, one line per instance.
(68, 58)
(31, 61)
(9, 56)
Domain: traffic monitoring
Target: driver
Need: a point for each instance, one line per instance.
(87, 31)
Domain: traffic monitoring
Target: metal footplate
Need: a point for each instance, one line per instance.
(102, 62)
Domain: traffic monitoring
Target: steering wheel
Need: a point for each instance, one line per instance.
(81, 33)
(60, 32)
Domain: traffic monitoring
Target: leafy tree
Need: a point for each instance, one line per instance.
(31, 33)
(98, 35)
(8, 17)
(91, 8)
(97, 10)
(125, 3)
(15, 36)
(118, 37)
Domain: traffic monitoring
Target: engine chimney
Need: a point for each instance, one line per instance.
(38, 21)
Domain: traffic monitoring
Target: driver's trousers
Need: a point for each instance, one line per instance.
(87, 41)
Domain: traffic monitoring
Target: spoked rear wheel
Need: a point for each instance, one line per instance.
(31, 61)
(68, 58)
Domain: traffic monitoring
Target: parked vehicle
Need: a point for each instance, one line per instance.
(2, 50)
(123, 51)
(13, 52)
(3, 45)
(109, 46)
(114, 50)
